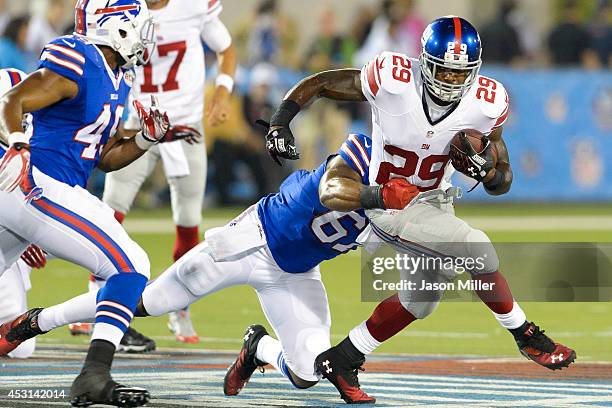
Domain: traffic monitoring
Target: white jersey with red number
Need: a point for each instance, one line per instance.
(175, 71)
(405, 142)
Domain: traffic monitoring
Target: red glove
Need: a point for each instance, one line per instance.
(153, 124)
(34, 257)
(189, 134)
(397, 193)
(15, 164)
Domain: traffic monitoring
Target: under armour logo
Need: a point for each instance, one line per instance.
(472, 171)
(248, 334)
(554, 358)
(328, 369)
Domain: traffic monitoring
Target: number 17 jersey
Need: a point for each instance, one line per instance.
(68, 136)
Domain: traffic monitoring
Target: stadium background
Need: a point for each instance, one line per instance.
(559, 138)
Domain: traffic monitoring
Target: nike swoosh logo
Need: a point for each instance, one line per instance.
(71, 45)
(366, 143)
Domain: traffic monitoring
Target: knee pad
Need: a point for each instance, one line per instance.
(421, 310)
(480, 248)
(140, 260)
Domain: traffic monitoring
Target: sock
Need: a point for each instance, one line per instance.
(186, 238)
(119, 216)
(388, 319)
(77, 309)
(99, 355)
(116, 304)
(513, 319)
(499, 299)
(269, 351)
(95, 283)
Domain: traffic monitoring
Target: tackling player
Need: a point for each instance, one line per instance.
(417, 108)
(276, 246)
(175, 75)
(76, 98)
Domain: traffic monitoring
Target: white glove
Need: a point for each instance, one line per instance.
(15, 164)
(153, 124)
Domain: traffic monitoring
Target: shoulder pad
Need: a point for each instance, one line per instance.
(389, 71)
(492, 96)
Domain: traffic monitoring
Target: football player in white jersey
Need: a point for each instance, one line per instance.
(418, 106)
(175, 75)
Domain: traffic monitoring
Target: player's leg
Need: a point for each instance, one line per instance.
(74, 225)
(13, 287)
(187, 194)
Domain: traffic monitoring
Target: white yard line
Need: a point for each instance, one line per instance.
(488, 223)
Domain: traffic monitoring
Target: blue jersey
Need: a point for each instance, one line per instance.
(301, 232)
(68, 136)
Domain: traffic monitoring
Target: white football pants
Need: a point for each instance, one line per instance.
(14, 284)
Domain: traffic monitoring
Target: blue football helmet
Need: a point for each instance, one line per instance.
(452, 43)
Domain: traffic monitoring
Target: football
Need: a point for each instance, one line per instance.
(476, 139)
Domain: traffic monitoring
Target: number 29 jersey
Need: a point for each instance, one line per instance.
(406, 142)
(300, 232)
(68, 136)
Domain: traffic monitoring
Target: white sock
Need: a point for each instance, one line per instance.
(108, 332)
(78, 309)
(512, 320)
(268, 350)
(362, 339)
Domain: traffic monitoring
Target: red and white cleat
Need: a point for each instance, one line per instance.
(18, 330)
(180, 324)
(241, 370)
(538, 347)
(80, 329)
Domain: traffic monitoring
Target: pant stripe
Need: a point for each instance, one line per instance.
(409, 246)
(88, 230)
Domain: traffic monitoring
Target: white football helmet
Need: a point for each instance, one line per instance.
(123, 25)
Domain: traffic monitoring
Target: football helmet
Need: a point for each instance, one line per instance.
(451, 43)
(123, 25)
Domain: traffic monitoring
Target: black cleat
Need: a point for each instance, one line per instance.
(95, 386)
(135, 342)
(239, 373)
(538, 347)
(342, 373)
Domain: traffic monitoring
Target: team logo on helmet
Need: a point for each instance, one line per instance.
(120, 9)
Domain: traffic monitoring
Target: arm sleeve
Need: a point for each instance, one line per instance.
(356, 151)
(216, 35)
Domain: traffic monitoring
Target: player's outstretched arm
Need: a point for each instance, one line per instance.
(501, 179)
(341, 189)
(40, 89)
(339, 84)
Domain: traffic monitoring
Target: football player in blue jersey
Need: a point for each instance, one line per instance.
(276, 247)
(76, 98)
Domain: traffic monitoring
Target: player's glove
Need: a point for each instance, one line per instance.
(186, 133)
(34, 257)
(154, 124)
(395, 194)
(280, 142)
(471, 163)
(15, 164)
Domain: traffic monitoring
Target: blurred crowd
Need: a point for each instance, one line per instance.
(273, 57)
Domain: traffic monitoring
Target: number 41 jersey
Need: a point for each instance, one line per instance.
(406, 142)
(67, 137)
(300, 232)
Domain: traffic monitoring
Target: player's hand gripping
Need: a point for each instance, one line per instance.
(34, 257)
(468, 161)
(15, 164)
(186, 133)
(280, 142)
(397, 193)
(154, 124)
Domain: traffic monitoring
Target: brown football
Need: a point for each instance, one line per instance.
(476, 139)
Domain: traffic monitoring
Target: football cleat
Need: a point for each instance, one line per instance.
(18, 330)
(342, 373)
(96, 386)
(80, 329)
(180, 324)
(135, 342)
(537, 346)
(239, 373)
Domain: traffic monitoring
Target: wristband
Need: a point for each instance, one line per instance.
(496, 181)
(226, 81)
(285, 113)
(142, 142)
(18, 137)
(371, 197)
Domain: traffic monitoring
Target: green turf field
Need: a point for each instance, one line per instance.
(455, 328)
